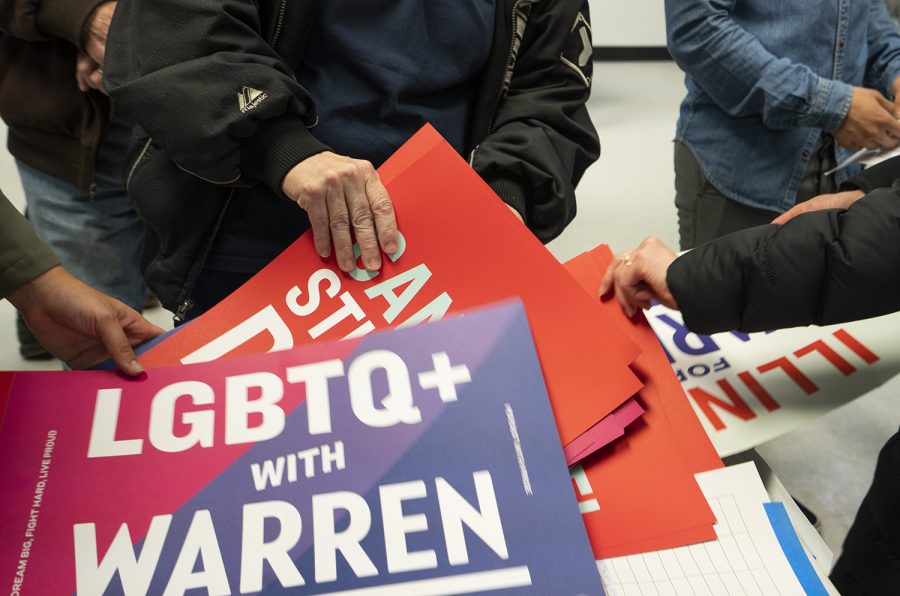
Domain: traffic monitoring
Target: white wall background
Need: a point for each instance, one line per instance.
(628, 23)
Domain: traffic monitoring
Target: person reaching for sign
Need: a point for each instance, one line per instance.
(840, 263)
(76, 323)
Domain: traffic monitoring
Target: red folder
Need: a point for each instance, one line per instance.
(604, 432)
(463, 248)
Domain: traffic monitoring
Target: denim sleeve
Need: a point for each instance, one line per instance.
(742, 76)
(884, 50)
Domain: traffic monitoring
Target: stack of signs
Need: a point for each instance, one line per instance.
(638, 493)
(462, 248)
(414, 461)
(666, 516)
(756, 550)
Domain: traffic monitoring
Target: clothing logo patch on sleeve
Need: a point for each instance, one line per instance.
(578, 52)
(249, 98)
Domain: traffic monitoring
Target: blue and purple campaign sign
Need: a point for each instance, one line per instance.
(416, 461)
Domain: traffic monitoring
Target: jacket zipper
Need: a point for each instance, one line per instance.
(137, 162)
(279, 23)
(509, 57)
(186, 304)
(182, 310)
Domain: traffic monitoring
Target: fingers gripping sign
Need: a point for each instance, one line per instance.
(344, 199)
(638, 277)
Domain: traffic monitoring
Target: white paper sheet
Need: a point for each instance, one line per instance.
(820, 555)
(745, 559)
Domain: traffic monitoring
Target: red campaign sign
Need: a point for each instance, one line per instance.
(462, 248)
(638, 494)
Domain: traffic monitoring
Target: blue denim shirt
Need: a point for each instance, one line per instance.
(764, 78)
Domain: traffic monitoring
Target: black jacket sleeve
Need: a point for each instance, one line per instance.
(203, 80)
(542, 139)
(40, 20)
(820, 268)
(882, 175)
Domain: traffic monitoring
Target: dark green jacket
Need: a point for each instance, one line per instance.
(22, 254)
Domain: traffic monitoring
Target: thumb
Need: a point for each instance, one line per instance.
(607, 281)
(137, 328)
(116, 343)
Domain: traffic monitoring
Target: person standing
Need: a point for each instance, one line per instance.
(78, 324)
(831, 260)
(254, 109)
(777, 95)
(69, 144)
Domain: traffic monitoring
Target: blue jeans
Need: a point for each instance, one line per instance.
(96, 236)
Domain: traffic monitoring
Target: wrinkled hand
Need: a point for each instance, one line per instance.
(840, 200)
(88, 74)
(80, 325)
(639, 276)
(96, 28)
(341, 194)
(870, 123)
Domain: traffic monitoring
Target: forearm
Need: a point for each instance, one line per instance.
(278, 146)
(543, 140)
(882, 175)
(23, 257)
(66, 19)
(187, 98)
(743, 77)
(28, 296)
(883, 66)
(821, 268)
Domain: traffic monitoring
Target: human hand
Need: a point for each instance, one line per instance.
(895, 91)
(870, 123)
(339, 194)
(80, 325)
(840, 200)
(639, 276)
(88, 74)
(96, 28)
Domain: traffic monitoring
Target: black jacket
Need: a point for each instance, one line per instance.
(177, 67)
(819, 268)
